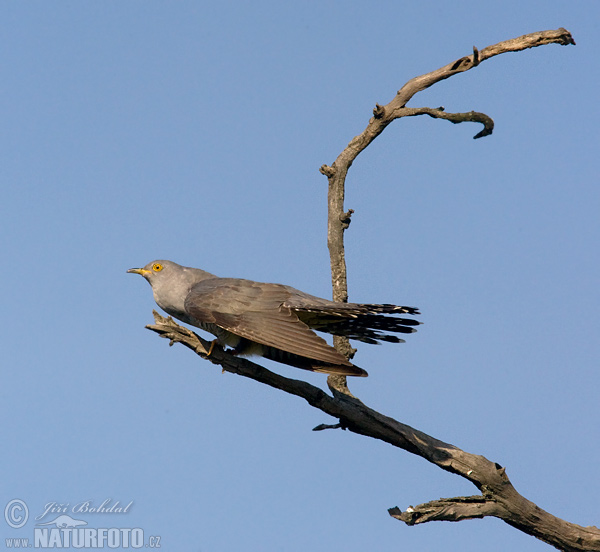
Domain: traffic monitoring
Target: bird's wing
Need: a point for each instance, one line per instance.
(256, 312)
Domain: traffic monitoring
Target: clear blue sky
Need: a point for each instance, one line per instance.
(194, 131)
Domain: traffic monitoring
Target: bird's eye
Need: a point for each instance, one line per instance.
(157, 267)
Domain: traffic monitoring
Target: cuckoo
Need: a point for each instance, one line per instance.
(273, 320)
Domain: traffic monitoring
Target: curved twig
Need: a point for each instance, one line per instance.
(439, 113)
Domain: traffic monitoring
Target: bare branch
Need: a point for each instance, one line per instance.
(337, 219)
(439, 113)
(447, 509)
(499, 498)
(512, 508)
(384, 115)
(560, 36)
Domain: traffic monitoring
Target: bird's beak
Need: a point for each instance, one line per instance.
(141, 271)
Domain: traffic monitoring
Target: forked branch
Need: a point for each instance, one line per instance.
(338, 220)
(498, 497)
(383, 115)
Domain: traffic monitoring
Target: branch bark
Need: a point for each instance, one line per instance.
(498, 497)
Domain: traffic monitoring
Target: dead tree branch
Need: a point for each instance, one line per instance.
(338, 220)
(498, 497)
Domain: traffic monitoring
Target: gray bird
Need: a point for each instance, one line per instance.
(272, 320)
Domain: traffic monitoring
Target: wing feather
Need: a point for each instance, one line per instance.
(256, 311)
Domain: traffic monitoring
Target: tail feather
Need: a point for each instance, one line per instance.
(349, 309)
(367, 323)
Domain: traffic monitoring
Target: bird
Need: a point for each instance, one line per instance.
(275, 321)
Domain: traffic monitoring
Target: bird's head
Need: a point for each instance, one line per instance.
(170, 284)
(154, 271)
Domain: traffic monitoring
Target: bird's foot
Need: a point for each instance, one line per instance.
(212, 346)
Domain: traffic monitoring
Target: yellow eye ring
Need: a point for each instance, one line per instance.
(157, 267)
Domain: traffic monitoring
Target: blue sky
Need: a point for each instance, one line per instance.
(194, 131)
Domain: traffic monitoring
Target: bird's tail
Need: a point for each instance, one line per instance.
(369, 323)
